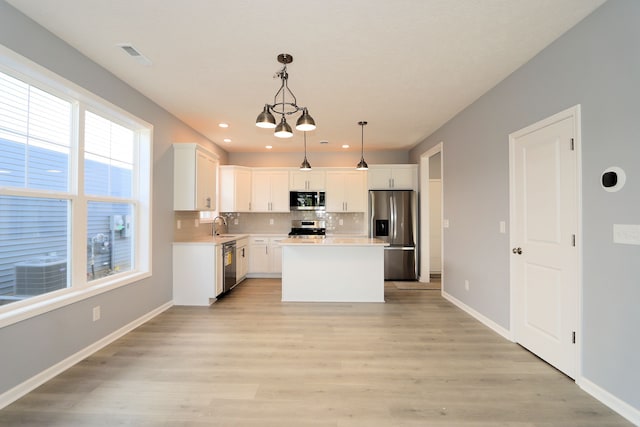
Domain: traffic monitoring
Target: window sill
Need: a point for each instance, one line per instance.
(26, 309)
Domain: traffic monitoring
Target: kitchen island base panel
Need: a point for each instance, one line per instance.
(332, 273)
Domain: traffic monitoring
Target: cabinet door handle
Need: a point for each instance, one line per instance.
(208, 200)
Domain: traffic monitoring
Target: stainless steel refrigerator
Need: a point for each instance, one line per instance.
(393, 219)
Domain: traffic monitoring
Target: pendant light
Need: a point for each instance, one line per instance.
(305, 166)
(362, 165)
(266, 118)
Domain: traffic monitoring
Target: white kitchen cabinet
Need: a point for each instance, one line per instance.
(346, 191)
(275, 254)
(393, 177)
(269, 190)
(265, 256)
(194, 178)
(307, 180)
(197, 273)
(235, 189)
(242, 259)
(258, 254)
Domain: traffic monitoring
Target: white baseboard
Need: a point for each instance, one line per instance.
(22, 389)
(623, 408)
(482, 319)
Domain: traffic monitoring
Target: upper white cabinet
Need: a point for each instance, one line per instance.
(393, 177)
(235, 189)
(194, 178)
(270, 190)
(307, 180)
(346, 191)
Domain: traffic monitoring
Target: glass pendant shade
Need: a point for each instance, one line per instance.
(283, 130)
(265, 119)
(305, 122)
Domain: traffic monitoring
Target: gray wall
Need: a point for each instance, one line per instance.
(595, 64)
(33, 345)
(318, 159)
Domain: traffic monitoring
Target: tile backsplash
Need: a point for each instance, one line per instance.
(267, 223)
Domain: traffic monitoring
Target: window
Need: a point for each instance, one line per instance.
(74, 181)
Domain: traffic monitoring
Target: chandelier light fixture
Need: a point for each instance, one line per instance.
(305, 166)
(362, 165)
(283, 108)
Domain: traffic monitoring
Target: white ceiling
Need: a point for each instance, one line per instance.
(405, 66)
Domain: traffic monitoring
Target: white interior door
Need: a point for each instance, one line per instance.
(544, 226)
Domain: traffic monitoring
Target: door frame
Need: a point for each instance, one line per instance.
(425, 253)
(575, 114)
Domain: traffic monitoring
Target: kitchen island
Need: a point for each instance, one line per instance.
(347, 269)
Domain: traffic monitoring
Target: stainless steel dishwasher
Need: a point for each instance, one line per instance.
(229, 262)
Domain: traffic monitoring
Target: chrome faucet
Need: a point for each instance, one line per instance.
(214, 225)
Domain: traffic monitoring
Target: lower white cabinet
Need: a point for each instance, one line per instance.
(265, 256)
(242, 259)
(197, 273)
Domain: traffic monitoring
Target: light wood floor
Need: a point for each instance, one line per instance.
(250, 360)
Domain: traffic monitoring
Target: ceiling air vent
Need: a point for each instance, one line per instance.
(134, 53)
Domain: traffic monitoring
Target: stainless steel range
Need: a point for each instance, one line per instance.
(308, 229)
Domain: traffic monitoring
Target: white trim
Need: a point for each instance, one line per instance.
(45, 303)
(425, 253)
(621, 407)
(32, 383)
(17, 66)
(505, 333)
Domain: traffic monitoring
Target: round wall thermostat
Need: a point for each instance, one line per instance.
(613, 179)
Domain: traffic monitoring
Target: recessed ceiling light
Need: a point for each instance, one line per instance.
(345, 145)
(227, 140)
(324, 142)
(268, 147)
(223, 125)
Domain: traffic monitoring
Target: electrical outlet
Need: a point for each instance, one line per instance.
(96, 313)
(178, 224)
(445, 223)
(235, 221)
(340, 221)
(466, 285)
(270, 221)
(503, 227)
(196, 223)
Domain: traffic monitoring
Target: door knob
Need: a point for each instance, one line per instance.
(517, 251)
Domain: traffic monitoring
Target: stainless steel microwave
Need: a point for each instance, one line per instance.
(306, 200)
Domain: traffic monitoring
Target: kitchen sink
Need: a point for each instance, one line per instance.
(226, 235)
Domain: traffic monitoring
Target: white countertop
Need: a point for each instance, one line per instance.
(335, 241)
